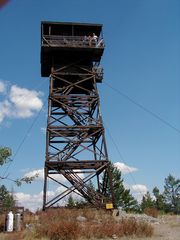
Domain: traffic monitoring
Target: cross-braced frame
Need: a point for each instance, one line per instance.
(76, 146)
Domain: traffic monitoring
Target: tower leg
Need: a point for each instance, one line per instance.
(45, 189)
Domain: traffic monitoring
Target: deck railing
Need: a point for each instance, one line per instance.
(71, 41)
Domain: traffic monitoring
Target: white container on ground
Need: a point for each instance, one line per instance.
(10, 222)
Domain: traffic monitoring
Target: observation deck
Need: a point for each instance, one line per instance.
(62, 43)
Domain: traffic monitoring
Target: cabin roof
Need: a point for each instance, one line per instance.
(72, 24)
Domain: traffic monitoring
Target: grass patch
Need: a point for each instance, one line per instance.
(97, 224)
(63, 224)
(153, 212)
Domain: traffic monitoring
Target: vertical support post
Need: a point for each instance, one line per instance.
(76, 148)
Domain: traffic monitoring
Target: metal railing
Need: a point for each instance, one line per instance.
(71, 41)
(98, 72)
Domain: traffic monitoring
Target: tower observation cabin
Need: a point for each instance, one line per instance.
(76, 152)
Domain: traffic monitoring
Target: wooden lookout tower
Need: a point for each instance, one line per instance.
(76, 153)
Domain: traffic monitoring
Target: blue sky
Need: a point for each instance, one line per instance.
(141, 83)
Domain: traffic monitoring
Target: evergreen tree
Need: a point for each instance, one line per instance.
(122, 196)
(71, 202)
(147, 202)
(7, 201)
(172, 194)
(159, 200)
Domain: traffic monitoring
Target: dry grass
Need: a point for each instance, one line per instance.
(153, 212)
(62, 224)
(12, 236)
(98, 224)
(2, 222)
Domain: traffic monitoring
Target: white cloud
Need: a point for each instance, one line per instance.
(40, 173)
(138, 191)
(25, 101)
(33, 202)
(22, 197)
(2, 87)
(139, 188)
(124, 168)
(5, 109)
(19, 102)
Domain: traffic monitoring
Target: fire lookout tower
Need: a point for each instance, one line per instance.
(75, 141)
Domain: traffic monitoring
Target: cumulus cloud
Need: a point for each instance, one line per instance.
(138, 190)
(36, 172)
(5, 109)
(33, 202)
(124, 168)
(19, 102)
(29, 201)
(26, 101)
(2, 87)
(40, 174)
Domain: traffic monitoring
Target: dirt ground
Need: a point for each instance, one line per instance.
(168, 228)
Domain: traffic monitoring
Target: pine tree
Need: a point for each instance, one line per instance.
(172, 194)
(7, 201)
(122, 196)
(159, 200)
(71, 202)
(147, 202)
